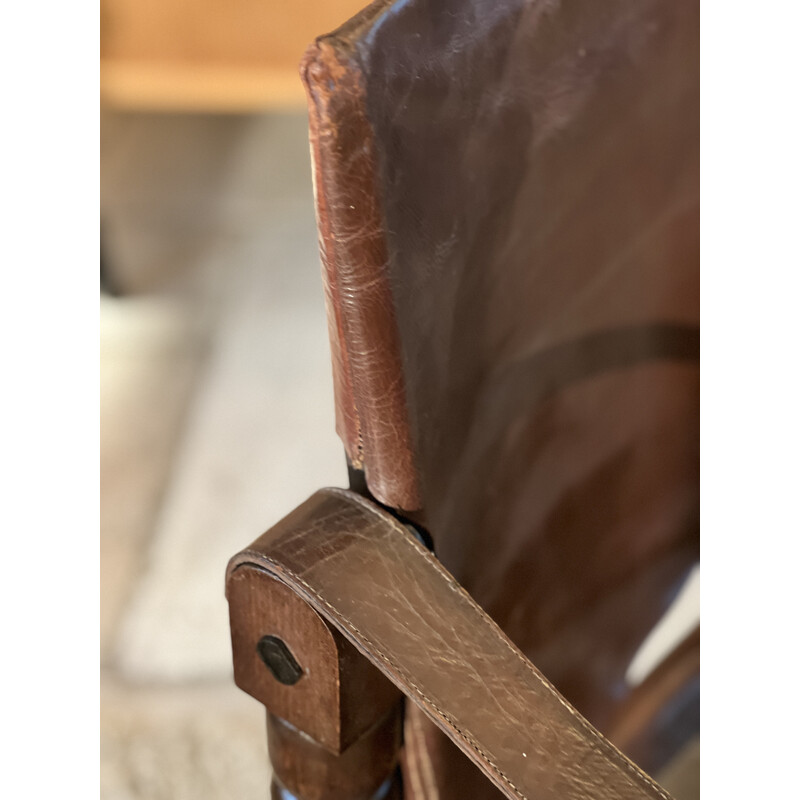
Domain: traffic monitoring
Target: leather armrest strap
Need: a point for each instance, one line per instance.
(363, 572)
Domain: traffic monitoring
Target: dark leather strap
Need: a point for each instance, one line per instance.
(363, 571)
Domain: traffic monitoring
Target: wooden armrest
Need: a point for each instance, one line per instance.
(365, 574)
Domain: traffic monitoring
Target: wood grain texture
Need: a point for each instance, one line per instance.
(208, 54)
(311, 772)
(340, 695)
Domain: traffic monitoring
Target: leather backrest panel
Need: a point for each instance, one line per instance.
(536, 172)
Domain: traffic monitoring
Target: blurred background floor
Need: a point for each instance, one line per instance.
(216, 417)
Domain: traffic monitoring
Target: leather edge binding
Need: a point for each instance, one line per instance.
(348, 425)
(266, 553)
(371, 410)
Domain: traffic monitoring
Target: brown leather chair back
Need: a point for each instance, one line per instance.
(508, 200)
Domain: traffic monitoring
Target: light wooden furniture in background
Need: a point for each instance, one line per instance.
(210, 55)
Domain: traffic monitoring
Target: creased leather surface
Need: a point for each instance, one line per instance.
(537, 171)
(372, 417)
(362, 570)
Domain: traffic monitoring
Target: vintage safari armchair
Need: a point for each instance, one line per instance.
(507, 196)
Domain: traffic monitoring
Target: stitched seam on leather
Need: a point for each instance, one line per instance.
(594, 735)
(378, 652)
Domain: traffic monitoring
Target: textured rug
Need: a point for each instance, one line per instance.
(190, 743)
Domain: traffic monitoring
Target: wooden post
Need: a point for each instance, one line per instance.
(334, 721)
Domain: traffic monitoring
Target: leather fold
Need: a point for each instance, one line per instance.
(362, 571)
(371, 409)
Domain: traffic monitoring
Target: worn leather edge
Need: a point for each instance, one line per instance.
(347, 422)
(371, 410)
(344, 531)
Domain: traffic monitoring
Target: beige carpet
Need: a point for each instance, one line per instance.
(217, 417)
(181, 743)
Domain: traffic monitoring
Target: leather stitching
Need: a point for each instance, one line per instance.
(594, 734)
(378, 652)
(595, 737)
